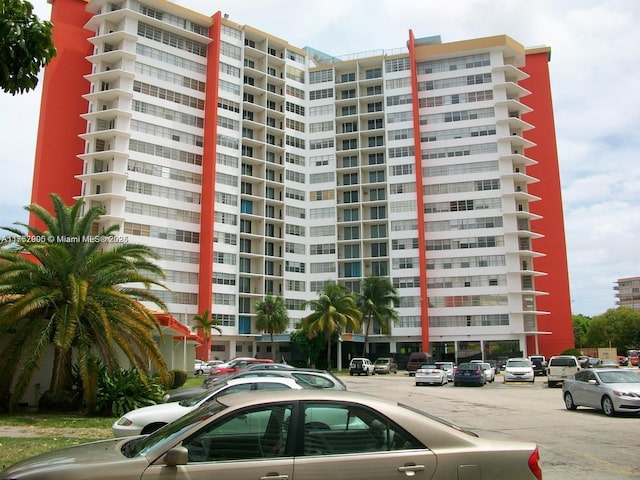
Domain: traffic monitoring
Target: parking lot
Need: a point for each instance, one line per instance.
(578, 445)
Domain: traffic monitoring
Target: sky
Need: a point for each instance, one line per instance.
(595, 76)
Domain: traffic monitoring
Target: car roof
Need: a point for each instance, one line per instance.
(243, 380)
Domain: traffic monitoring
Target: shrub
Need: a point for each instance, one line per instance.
(123, 390)
(179, 378)
(572, 351)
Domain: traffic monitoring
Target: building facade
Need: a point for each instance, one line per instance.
(627, 292)
(253, 166)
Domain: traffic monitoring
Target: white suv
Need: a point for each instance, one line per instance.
(561, 367)
(360, 366)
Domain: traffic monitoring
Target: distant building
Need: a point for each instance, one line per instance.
(628, 292)
(252, 166)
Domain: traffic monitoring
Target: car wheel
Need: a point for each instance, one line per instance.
(607, 407)
(568, 401)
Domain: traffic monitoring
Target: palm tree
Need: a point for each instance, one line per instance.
(206, 323)
(60, 287)
(272, 317)
(377, 302)
(333, 311)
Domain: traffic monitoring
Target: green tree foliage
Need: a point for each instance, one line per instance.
(309, 346)
(334, 311)
(26, 45)
(377, 302)
(617, 327)
(60, 287)
(580, 329)
(206, 323)
(272, 317)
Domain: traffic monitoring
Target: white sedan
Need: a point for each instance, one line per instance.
(430, 374)
(148, 419)
(519, 370)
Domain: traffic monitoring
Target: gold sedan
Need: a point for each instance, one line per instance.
(290, 435)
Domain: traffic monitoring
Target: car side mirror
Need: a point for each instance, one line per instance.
(593, 382)
(176, 456)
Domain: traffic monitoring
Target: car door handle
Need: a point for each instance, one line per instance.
(275, 476)
(410, 470)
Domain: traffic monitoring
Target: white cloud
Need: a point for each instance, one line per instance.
(595, 64)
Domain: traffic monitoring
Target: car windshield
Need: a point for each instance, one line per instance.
(429, 366)
(163, 437)
(382, 361)
(191, 402)
(619, 377)
(518, 363)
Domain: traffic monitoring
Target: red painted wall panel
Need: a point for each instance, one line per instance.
(556, 282)
(58, 144)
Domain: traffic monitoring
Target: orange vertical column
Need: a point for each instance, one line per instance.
(205, 288)
(58, 144)
(424, 299)
(556, 282)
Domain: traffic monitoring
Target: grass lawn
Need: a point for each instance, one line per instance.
(39, 433)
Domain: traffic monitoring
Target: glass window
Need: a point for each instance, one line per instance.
(344, 429)
(245, 435)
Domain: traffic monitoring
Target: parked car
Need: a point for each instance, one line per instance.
(583, 361)
(308, 377)
(607, 363)
(350, 435)
(215, 378)
(539, 363)
(361, 366)
(468, 373)
(206, 367)
(430, 374)
(611, 390)
(592, 362)
(197, 366)
(519, 370)
(416, 359)
(561, 367)
(489, 371)
(385, 365)
(623, 361)
(448, 367)
(236, 364)
(148, 419)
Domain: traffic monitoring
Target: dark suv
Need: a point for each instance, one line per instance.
(539, 363)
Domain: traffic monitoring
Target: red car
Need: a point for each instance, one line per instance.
(236, 364)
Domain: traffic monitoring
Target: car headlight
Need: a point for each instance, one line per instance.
(618, 393)
(124, 422)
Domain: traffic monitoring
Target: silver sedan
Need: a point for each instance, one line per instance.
(293, 434)
(611, 390)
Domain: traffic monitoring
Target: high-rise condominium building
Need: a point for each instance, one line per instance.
(256, 167)
(628, 292)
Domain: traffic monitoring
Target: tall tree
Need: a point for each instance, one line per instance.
(617, 327)
(205, 323)
(377, 302)
(272, 317)
(580, 329)
(335, 310)
(66, 288)
(26, 45)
